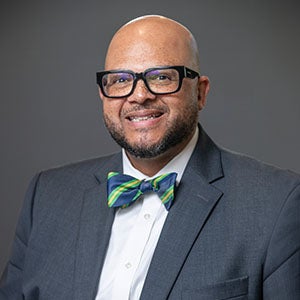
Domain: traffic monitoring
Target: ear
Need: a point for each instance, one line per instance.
(203, 89)
(100, 93)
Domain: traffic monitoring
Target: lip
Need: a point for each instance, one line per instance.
(144, 118)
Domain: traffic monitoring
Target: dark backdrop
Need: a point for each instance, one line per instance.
(50, 111)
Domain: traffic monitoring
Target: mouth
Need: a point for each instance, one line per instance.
(141, 118)
(145, 115)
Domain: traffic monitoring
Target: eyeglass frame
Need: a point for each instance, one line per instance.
(183, 71)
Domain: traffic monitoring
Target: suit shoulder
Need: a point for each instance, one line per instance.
(81, 171)
(258, 188)
(91, 165)
(248, 168)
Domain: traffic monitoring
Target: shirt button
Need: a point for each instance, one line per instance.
(147, 216)
(128, 265)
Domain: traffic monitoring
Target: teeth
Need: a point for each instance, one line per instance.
(139, 119)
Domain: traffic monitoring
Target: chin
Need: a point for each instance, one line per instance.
(145, 139)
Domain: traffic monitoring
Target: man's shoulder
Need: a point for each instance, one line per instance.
(87, 165)
(82, 172)
(242, 167)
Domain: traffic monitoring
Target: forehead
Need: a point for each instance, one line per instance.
(141, 48)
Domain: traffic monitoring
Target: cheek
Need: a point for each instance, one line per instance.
(111, 109)
(186, 101)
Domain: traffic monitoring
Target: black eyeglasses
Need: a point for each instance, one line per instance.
(159, 80)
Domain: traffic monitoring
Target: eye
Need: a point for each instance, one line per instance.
(163, 77)
(117, 79)
(158, 76)
(120, 79)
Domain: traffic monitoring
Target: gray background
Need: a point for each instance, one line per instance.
(50, 111)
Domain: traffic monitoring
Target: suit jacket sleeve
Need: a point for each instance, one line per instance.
(282, 264)
(12, 283)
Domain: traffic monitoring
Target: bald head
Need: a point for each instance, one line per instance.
(151, 41)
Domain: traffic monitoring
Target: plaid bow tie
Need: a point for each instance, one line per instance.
(123, 189)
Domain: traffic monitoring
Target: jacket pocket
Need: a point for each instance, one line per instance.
(236, 289)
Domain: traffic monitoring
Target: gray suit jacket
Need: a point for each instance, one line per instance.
(232, 233)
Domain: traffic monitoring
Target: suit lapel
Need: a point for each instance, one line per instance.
(95, 228)
(195, 199)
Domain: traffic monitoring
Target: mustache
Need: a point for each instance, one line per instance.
(142, 107)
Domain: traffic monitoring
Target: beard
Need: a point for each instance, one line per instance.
(178, 130)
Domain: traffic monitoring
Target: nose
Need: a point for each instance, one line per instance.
(141, 93)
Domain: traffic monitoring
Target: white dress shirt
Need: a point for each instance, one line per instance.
(135, 233)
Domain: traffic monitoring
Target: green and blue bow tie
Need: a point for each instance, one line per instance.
(123, 190)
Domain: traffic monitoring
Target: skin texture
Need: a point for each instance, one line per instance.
(152, 142)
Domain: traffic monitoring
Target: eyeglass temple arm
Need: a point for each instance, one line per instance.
(190, 73)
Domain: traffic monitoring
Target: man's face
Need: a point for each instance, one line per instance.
(144, 124)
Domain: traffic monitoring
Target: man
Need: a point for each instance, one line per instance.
(227, 227)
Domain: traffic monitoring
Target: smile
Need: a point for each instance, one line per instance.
(143, 118)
